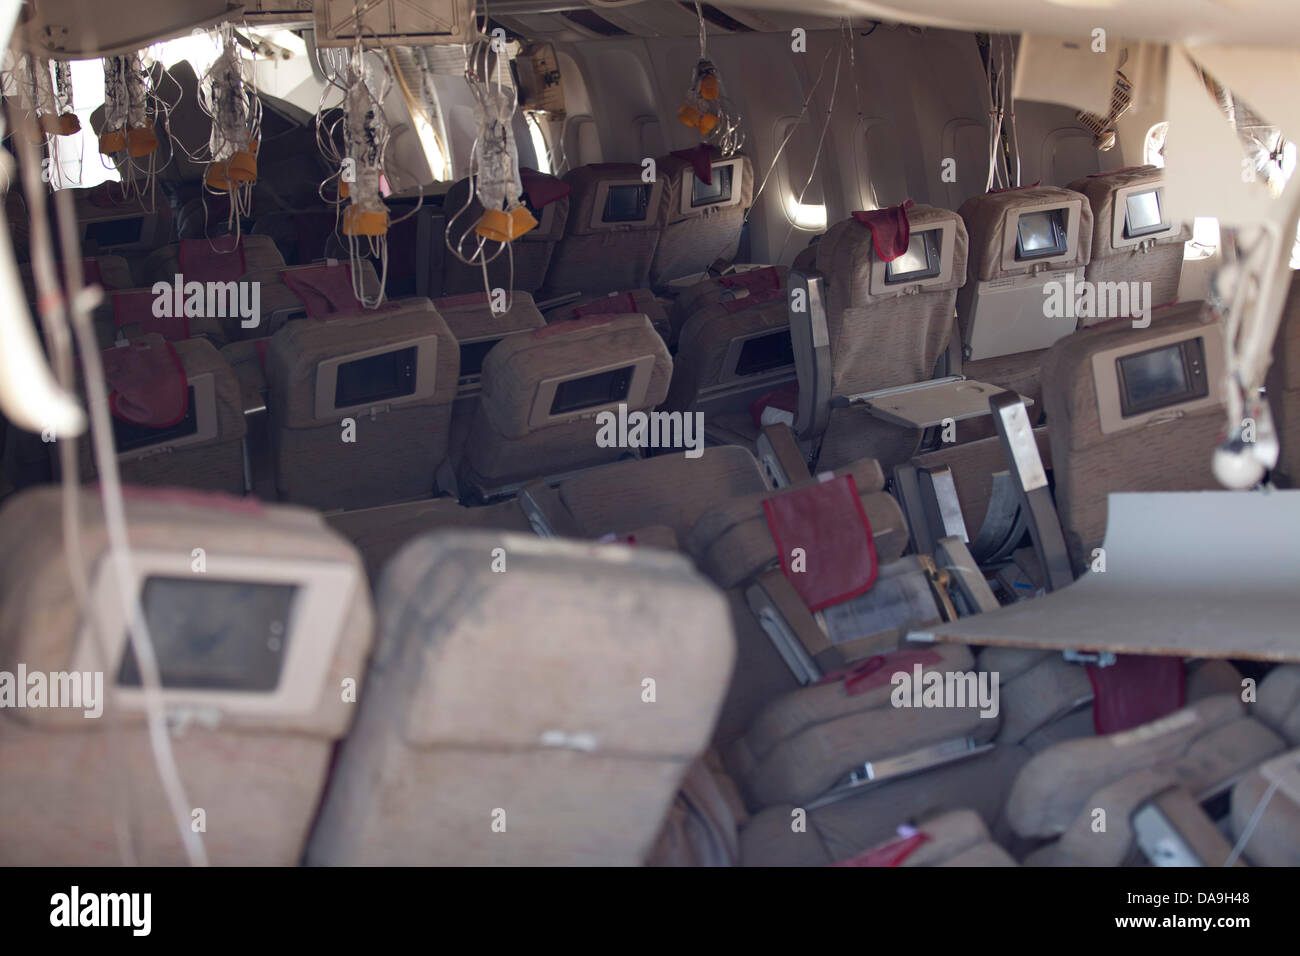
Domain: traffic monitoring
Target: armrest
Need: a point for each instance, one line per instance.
(1173, 830)
(811, 341)
(781, 456)
(792, 627)
(546, 513)
(1030, 477)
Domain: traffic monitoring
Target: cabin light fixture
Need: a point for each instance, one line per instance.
(805, 215)
(1087, 4)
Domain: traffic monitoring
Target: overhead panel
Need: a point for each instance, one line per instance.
(75, 29)
(394, 22)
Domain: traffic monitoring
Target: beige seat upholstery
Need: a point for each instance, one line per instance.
(669, 490)
(108, 272)
(260, 255)
(612, 231)
(1168, 449)
(1202, 748)
(732, 543)
(255, 645)
(543, 389)
(731, 352)
(616, 303)
(701, 223)
(531, 253)
(1127, 252)
(451, 764)
(1000, 309)
(394, 378)
(883, 335)
(841, 830)
(205, 450)
(280, 304)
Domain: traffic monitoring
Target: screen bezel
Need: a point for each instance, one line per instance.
(406, 388)
(426, 378)
(652, 214)
(320, 608)
(540, 415)
(1105, 373)
(933, 260)
(947, 244)
(1057, 223)
(736, 347)
(688, 185)
(1119, 216)
(1191, 353)
(1072, 214)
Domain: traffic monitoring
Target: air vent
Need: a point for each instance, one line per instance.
(718, 18)
(594, 22)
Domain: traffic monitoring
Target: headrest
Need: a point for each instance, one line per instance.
(327, 291)
(599, 620)
(848, 256)
(304, 348)
(136, 307)
(470, 316)
(550, 204)
(1103, 192)
(542, 189)
(732, 541)
(670, 490)
(890, 229)
(636, 205)
(641, 301)
(1070, 393)
(218, 260)
(147, 383)
(990, 220)
(521, 367)
(708, 291)
(217, 570)
(679, 170)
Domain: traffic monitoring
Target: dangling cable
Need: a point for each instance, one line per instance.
(493, 168)
(236, 113)
(707, 108)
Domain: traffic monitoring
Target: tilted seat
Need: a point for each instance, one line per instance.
(634, 649)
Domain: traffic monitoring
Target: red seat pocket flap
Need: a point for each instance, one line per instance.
(824, 541)
(147, 383)
(324, 290)
(891, 230)
(1135, 690)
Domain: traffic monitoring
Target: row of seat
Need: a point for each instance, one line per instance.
(425, 748)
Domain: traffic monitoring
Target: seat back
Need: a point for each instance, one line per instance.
(1132, 410)
(203, 260)
(543, 390)
(886, 331)
(523, 266)
(732, 350)
(114, 223)
(360, 405)
(1133, 240)
(613, 228)
(702, 221)
(1021, 240)
(204, 448)
(634, 649)
(281, 303)
(258, 616)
